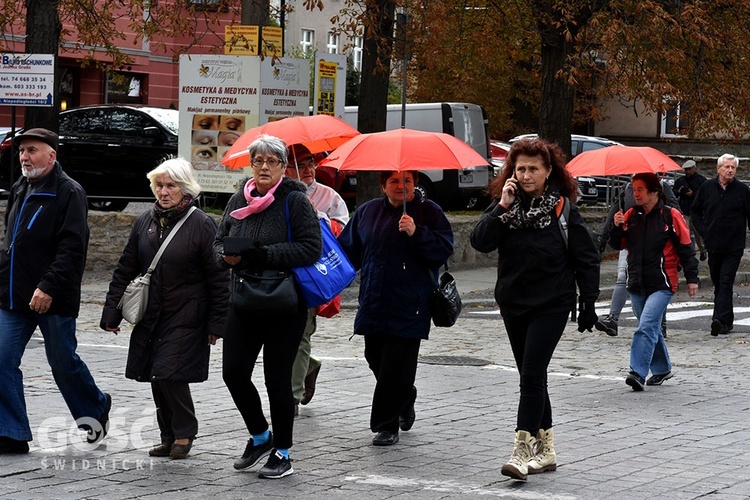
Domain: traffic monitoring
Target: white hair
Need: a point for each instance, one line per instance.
(727, 156)
(181, 171)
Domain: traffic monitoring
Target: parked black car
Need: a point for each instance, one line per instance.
(108, 149)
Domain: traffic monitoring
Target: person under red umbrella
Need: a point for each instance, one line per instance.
(658, 243)
(329, 206)
(399, 255)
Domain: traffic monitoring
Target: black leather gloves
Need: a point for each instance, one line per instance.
(587, 317)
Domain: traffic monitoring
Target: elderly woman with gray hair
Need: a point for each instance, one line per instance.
(269, 227)
(187, 302)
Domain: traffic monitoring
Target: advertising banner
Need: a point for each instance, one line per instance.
(272, 41)
(285, 89)
(330, 85)
(222, 96)
(241, 40)
(27, 79)
(218, 102)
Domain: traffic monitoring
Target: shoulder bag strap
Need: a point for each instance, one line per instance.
(166, 242)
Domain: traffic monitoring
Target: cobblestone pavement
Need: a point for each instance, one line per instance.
(687, 439)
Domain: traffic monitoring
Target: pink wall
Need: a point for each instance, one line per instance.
(160, 83)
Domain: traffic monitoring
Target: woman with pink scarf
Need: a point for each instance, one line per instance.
(259, 218)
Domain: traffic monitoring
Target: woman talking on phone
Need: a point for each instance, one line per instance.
(541, 258)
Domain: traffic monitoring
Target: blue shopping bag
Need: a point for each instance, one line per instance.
(327, 277)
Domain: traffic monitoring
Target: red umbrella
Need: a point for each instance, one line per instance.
(621, 160)
(404, 149)
(317, 132)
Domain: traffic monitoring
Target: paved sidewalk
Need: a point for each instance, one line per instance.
(684, 440)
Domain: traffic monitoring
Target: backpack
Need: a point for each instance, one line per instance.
(562, 211)
(667, 213)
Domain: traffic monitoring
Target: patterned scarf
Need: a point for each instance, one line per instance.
(165, 215)
(538, 215)
(255, 204)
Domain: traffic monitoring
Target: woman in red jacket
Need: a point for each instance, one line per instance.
(657, 240)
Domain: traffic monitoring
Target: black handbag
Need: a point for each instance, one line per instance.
(267, 291)
(445, 302)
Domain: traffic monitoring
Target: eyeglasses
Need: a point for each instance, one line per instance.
(271, 162)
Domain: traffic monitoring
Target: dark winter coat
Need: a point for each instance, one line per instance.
(656, 248)
(398, 272)
(684, 183)
(535, 270)
(188, 299)
(269, 229)
(625, 202)
(721, 216)
(46, 238)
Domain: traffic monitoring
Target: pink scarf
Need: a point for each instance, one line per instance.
(255, 204)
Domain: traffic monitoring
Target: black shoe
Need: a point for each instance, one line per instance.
(607, 324)
(180, 451)
(254, 454)
(94, 436)
(276, 467)
(635, 381)
(658, 379)
(310, 380)
(13, 446)
(385, 438)
(717, 328)
(406, 420)
(161, 450)
(704, 255)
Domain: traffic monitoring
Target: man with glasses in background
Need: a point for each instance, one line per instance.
(330, 206)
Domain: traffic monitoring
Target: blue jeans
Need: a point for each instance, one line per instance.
(83, 397)
(648, 352)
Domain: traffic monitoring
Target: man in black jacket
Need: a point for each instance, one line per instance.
(41, 267)
(721, 214)
(686, 187)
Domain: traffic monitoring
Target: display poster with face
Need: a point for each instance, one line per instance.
(222, 96)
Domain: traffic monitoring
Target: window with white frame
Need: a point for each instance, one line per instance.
(357, 52)
(676, 120)
(307, 42)
(333, 43)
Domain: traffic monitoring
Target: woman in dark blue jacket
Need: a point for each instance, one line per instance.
(540, 260)
(399, 253)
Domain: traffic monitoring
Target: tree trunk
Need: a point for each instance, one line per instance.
(43, 37)
(373, 89)
(556, 107)
(255, 12)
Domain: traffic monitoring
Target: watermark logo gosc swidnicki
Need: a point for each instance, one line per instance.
(85, 434)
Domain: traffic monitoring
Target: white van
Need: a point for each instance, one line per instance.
(468, 122)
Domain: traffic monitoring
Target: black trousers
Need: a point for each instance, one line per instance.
(723, 268)
(393, 361)
(175, 412)
(533, 339)
(279, 337)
